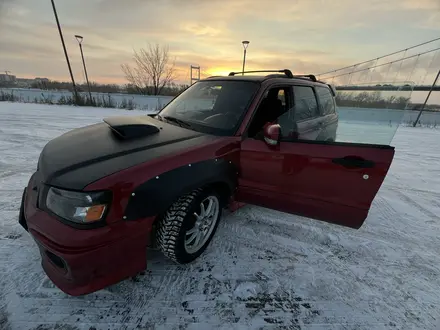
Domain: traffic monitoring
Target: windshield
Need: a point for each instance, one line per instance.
(212, 107)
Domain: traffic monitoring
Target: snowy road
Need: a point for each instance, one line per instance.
(263, 270)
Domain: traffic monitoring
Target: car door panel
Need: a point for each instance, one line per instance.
(314, 209)
(333, 182)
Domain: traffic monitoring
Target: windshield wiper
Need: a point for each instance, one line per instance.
(179, 122)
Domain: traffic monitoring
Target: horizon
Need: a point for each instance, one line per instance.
(300, 35)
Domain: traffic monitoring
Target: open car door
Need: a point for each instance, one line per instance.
(334, 180)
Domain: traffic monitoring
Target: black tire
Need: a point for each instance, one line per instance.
(179, 218)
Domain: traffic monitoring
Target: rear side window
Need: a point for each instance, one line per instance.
(305, 105)
(326, 100)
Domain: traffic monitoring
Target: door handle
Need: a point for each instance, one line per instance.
(353, 162)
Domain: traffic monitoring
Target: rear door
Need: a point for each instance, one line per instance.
(330, 181)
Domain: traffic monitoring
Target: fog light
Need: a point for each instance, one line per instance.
(57, 261)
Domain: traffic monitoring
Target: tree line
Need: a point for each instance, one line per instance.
(171, 89)
(377, 100)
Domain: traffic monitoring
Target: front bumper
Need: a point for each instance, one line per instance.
(81, 261)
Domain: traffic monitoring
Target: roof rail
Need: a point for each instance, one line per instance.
(310, 76)
(287, 72)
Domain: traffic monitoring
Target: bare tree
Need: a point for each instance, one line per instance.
(151, 70)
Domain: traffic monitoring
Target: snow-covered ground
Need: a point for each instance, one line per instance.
(263, 270)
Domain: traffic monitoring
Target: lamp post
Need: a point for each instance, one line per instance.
(80, 39)
(245, 46)
(65, 51)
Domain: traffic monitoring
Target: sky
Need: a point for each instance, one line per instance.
(306, 36)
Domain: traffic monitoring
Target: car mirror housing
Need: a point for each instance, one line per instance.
(272, 134)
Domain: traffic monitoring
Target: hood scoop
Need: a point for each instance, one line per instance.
(131, 127)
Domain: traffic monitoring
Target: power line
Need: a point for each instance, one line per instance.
(378, 58)
(377, 66)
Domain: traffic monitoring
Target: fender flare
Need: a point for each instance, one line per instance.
(156, 195)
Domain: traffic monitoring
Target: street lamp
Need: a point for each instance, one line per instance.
(245, 46)
(80, 39)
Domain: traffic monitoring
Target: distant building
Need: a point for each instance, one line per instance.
(24, 82)
(38, 79)
(7, 78)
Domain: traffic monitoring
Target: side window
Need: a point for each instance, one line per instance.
(282, 97)
(305, 105)
(326, 100)
(274, 104)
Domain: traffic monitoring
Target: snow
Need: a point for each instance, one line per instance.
(263, 270)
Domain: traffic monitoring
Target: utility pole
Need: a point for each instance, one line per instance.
(427, 98)
(65, 52)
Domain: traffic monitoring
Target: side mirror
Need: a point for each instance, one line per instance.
(272, 134)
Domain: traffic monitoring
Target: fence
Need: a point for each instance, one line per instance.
(109, 100)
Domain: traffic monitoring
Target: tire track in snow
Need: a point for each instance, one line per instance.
(263, 270)
(418, 206)
(257, 308)
(202, 310)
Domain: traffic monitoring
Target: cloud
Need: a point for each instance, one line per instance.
(201, 29)
(421, 4)
(5, 6)
(307, 36)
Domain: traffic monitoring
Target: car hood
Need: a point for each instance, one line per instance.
(84, 155)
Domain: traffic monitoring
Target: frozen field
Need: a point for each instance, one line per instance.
(263, 270)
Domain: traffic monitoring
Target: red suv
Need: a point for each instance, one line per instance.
(104, 193)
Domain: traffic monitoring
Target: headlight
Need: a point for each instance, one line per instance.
(79, 207)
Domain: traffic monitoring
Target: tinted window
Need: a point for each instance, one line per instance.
(213, 107)
(282, 97)
(305, 105)
(326, 100)
(273, 104)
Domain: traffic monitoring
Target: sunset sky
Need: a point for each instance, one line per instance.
(307, 36)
